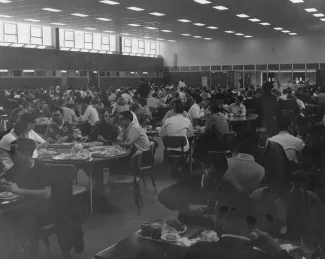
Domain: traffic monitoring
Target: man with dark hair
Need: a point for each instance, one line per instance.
(172, 112)
(40, 109)
(91, 114)
(195, 110)
(60, 130)
(143, 88)
(250, 103)
(238, 108)
(68, 114)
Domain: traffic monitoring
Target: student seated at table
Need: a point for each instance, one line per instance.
(34, 179)
(134, 136)
(90, 115)
(62, 131)
(195, 111)
(172, 112)
(139, 114)
(237, 108)
(40, 110)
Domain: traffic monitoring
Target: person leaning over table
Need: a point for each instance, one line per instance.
(34, 179)
(134, 136)
(237, 108)
(68, 114)
(139, 114)
(62, 131)
(40, 109)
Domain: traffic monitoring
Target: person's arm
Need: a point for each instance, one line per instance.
(132, 137)
(243, 111)
(74, 118)
(12, 187)
(84, 118)
(163, 131)
(190, 131)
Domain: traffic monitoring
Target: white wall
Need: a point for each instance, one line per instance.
(301, 49)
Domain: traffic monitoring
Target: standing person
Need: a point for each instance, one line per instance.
(143, 88)
(181, 83)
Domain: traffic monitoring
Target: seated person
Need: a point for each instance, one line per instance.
(139, 114)
(144, 105)
(135, 137)
(90, 115)
(34, 179)
(172, 112)
(68, 114)
(154, 102)
(120, 106)
(105, 129)
(62, 131)
(250, 103)
(40, 109)
(195, 110)
(292, 145)
(177, 126)
(218, 120)
(237, 108)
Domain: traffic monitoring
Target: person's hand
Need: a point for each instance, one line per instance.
(264, 241)
(11, 187)
(100, 138)
(44, 145)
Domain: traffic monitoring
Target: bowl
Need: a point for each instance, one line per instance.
(170, 237)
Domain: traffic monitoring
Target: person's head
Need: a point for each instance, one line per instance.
(142, 80)
(86, 101)
(267, 87)
(41, 103)
(104, 115)
(178, 107)
(135, 107)
(121, 101)
(176, 95)
(289, 90)
(143, 101)
(198, 99)
(27, 106)
(181, 79)
(155, 95)
(215, 108)
(29, 119)
(21, 129)
(21, 151)
(239, 100)
(125, 119)
(250, 94)
(57, 115)
(214, 170)
(285, 91)
(137, 93)
(60, 102)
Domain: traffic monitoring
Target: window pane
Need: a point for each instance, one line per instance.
(97, 41)
(112, 41)
(37, 41)
(105, 40)
(79, 40)
(88, 38)
(10, 28)
(153, 46)
(10, 38)
(68, 35)
(23, 33)
(36, 31)
(105, 47)
(88, 45)
(141, 44)
(47, 36)
(69, 44)
(127, 42)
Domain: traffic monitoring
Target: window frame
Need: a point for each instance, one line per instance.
(129, 46)
(89, 42)
(153, 49)
(10, 34)
(31, 37)
(102, 44)
(73, 39)
(141, 50)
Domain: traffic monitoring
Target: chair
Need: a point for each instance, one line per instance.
(226, 142)
(144, 168)
(177, 142)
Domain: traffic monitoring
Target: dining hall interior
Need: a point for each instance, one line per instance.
(134, 129)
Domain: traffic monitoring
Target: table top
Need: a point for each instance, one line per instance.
(10, 205)
(245, 118)
(197, 131)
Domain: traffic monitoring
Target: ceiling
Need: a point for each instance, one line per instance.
(279, 13)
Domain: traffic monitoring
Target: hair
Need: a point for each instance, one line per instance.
(127, 115)
(154, 95)
(142, 79)
(86, 100)
(176, 95)
(285, 91)
(250, 93)
(198, 99)
(60, 102)
(103, 110)
(20, 127)
(134, 106)
(143, 101)
(26, 104)
(25, 145)
(178, 107)
(283, 124)
(267, 87)
(57, 108)
(215, 108)
(121, 101)
(27, 118)
(240, 98)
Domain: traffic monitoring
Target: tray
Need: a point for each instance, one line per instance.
(9, 198)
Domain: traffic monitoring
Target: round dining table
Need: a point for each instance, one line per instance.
(251, 117)
(89, 166)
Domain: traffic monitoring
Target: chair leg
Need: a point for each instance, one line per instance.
(136, 199)
(153, 180)
(47, 244)
(143, 179)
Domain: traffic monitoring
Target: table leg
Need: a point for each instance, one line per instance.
(91, 191)
(190, 161)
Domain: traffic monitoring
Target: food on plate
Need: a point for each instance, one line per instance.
(91, 144)
(174, 223)
(210, 236)
(77, 156)
(45, 153)
(8, 195)
(170, 237)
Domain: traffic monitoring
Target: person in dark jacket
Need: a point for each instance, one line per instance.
(143, 88)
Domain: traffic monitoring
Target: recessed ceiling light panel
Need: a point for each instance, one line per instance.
(197, 37)
(311, 10)
(220, 8)
(323, 19)
(297, 1)
(137, 9)
(229, 32)
(186, 34)
(319, 15)
(32, 20)
(292, 33)
(109, 2)
(5, 1)
(52, 10)
(278, 29)
(255, 20)
(207, 38)
(199, 24)
(103, 19)
(202, 1)
(172, 40)
(184, 20)
(285, 31)
(239, 34)
(166, 31)
(134, 25)
(212, 27)
(58, 23)
(242, 15)
(79, 14)
(124, 33)
(159, 39)
(265, 23)
(248, 36)
(5, 16)
(151, 28)
(157, 14)
(109, 31)
(89, 28)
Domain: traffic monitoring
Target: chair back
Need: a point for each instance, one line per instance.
(227, 140)
(250, 111)
(174, 142)
(287, 114)
(152, 110)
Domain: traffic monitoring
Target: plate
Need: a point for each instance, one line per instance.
(169, 229)
(170, 237)
(71, 157)
(8, 196)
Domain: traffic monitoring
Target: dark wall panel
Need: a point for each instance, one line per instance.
(192, 78)
(17, 83)
(20, 58)
(77, 82)
(116, 82)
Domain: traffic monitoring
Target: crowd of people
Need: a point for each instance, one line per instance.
(274, 185)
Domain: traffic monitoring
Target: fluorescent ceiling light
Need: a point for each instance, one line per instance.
(58, 23)
(207, 38)
(84, 50)
(265, 23)
(199, 24)
(239, 34)
(30, 46)
(52, 10)
(242, 15)
(197, 37)
(285, 31)
(172, 40)
(166, 31)
(32, 20)
(184, 20)
(29, 71)
(212, 27)
(74, 49)
(17, 45)
(134, 25)
(91, 29)
(297, 1)
(109, 31)
(103, 19)
(109, 2)
(293, 33)
(220, 8)
(65, 49)
(137, 9)
(5, 1)
(124, 33)
(186, 34)
(255, 20)
(159, 39)
(151, 28)
(79, 14)
(323, 19)
(41, 47)
(248, 36)
(157, 14)
(4, 43)
(125, 54)
(319, 15)
(5, 16)
(278, 29)
(202, 1)
(3, 70)
(229, 32)
(311, 10)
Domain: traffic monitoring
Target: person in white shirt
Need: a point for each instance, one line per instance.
(182, 94)
(154, 102)
(181, 83)
(91, 114)
(177, 126)
(291, 144)
(127, 97)
(284, 94)
(195, 110)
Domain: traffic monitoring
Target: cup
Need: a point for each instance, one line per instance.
(156, 231)
(146, 229)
